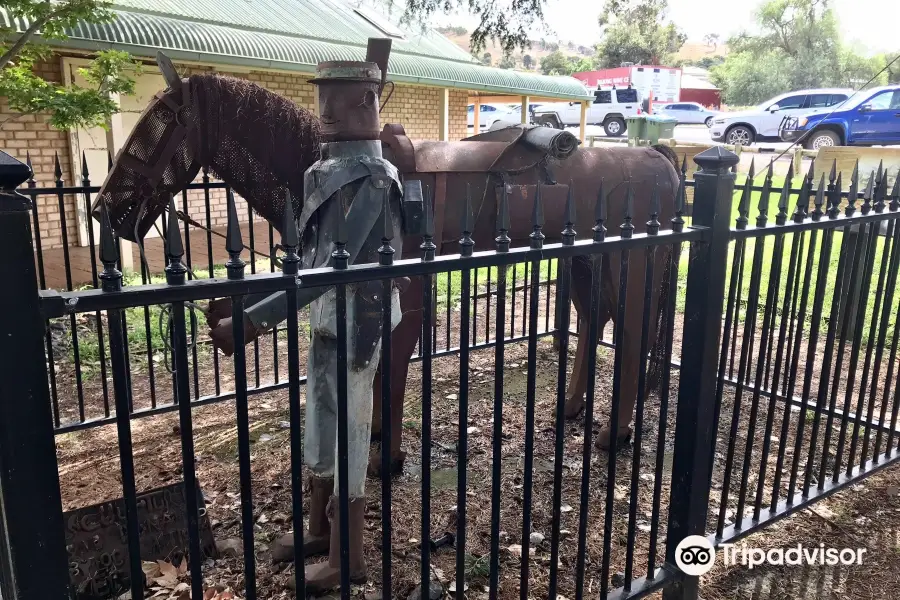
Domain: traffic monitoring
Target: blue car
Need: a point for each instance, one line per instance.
(868, 118)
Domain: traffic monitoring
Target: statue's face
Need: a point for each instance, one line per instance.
(348, 110)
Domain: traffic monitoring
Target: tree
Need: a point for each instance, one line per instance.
(111, 72)
(712, 39)
(507, 62)
(508, 22)
(637, 31)
(555, 63)
(527, 61)
(486, 59)
(798, 45)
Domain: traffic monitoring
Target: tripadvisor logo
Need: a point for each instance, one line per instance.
(695, 555)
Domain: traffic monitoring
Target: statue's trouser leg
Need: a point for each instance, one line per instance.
(321, 433)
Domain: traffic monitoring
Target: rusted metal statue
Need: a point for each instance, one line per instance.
(515, 156)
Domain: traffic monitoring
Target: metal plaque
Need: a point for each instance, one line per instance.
(97, 545)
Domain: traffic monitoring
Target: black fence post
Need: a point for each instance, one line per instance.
(32, 546)
(688, 505)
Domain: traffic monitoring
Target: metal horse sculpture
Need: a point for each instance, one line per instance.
(261, 144)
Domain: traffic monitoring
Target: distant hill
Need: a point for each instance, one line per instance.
(538, 50)
(694, 51)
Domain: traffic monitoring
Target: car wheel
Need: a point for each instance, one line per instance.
(550, 121)
(614, 127)
(709, 121)
(822, 139)
(739, 135)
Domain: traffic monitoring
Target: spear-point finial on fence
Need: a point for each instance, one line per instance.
(680, 201)
(627, 227)
(880, 170)
(820, 199)
(175, 271)
(339, 256)
(783, 201)
(568, 232)
(111, 277)
(31, 181)
(832, 176)
(386, 251)
(537, 221)
(502, 238)
(684, 166)
(233, 242)
(853, 193)
(866, 207)
(290, 237)
(744, 203)
(895, 193)
(85, 176)
(751, 174)
(802, 207)
(835, 200)
(881, 190)
(763, 217)
(466, 243)
(811, 175)
(599, 228)
(57, 169)
(427, 246)
(653, 223)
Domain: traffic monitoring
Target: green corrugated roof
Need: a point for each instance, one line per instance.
(295, 35)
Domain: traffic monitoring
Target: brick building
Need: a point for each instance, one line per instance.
(274, 43)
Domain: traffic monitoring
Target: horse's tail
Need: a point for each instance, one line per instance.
(668, 153)
(659, 359)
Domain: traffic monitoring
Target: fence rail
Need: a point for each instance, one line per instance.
(785, 390)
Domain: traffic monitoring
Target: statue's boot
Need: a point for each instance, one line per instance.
(222, 335)
(216, 310)
(317, 537)
(326, 575)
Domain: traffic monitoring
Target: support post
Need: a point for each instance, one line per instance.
(525, 116)
(115, 139)
(445, 115)
(694, 433)
(583, 122)
(33, 562)
(476, 119)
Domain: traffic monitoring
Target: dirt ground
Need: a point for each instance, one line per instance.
(865, 512)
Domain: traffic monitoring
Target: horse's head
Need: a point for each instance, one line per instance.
(256, 141)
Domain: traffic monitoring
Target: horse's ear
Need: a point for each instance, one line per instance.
(169, 73)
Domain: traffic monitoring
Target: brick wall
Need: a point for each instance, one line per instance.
(417, 108)
(22, 135)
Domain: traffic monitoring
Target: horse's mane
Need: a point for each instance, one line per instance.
(257, 141)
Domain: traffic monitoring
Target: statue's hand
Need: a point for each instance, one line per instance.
(222, 335)
(217, 310)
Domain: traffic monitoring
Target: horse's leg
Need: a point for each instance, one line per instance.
(581, 296)
(631, 343)
(403, 344)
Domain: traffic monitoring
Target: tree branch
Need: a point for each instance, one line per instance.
(24, 38)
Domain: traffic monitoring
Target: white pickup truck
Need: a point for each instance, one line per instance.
(609, 109)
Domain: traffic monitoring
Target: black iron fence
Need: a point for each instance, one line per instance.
(795, 312)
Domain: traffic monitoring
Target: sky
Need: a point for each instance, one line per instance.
(870, 25)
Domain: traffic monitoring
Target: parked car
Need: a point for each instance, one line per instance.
(609, 109)
(491, 113)
(687, 112)
(870, 117)
(764, 122)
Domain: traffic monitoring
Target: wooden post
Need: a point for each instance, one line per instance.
(445, 115)
(524, 110)
(583, 123)
(115, 139)
(477, 118)
(798, 160)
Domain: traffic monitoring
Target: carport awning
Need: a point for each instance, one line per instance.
(142, 34)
